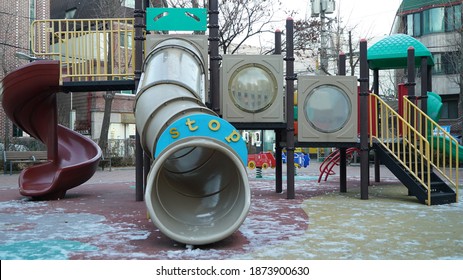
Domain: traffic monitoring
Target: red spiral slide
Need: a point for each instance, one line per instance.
(29, 100)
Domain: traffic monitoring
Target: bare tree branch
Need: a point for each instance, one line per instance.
(240, 20)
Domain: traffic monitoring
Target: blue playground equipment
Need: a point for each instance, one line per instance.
(300, 159)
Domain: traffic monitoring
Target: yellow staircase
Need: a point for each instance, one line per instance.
(422, 165)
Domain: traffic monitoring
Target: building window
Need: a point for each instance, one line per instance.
(417, 24)
(70, 13)
(414, 24)
(126, 39)
(450, 106)
(17, 132)
(129, 4)
(126, 92)
(453, 18)
(410, 24)
(433, 20)
(437, 69)
(446, 63)
(451, 62)
(32, 10)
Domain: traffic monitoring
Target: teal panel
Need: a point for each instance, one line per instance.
(203, 125)
(176, 19)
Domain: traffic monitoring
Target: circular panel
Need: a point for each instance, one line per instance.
(252, 88)
(327, 108)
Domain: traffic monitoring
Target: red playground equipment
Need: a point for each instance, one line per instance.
(326, 168)
(29, 100)
(262, 160)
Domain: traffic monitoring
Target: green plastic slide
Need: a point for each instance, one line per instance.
(439, 141)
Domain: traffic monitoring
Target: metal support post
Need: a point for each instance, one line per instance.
(424, 93)
(364, 150)
(290, 77)
(214, 57)
(411, 84)
(139, 14)
(342, 151)
(377, 160)
(278, 148)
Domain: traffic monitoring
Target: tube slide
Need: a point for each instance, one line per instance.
(197, 191)
(446, 145)
(439, 141)
(29, 100)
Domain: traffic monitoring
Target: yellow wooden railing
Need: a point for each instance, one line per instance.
(445, 151)
(88, 49)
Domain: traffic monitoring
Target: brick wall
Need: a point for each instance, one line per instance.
(15, 18)
(14, 37)
(122, 103)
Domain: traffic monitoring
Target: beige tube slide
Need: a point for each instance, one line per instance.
(197, 190)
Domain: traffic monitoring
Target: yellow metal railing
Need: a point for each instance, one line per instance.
(403, 138)
(403, 141)
(88, 49)
(445, 151)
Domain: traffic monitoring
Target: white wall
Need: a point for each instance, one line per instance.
(117, 130)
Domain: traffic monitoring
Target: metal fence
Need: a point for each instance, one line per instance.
(122, 151)
(124, 148)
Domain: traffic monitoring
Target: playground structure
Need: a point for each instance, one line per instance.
(197, 190)
(332, 160)
(29, 100)
(300, 159)
(262, 160)
(427, 165)
(440, 141)
(266, 160)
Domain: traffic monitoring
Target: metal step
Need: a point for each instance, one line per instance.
(441, 193)
(439, 198)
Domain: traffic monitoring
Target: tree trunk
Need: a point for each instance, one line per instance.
(108, 98)
(103, 141)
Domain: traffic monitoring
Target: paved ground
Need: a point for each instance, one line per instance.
(102, 220)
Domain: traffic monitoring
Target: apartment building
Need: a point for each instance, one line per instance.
(438, 25)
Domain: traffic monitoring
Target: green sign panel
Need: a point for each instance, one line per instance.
(176, 19)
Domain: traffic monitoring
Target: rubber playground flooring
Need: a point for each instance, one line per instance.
(102, 220)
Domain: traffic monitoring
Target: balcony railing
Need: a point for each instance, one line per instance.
(88, 49)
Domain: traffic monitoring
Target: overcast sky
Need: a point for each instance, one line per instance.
(373, 18)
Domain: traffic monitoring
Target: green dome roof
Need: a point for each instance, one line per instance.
(391, 52)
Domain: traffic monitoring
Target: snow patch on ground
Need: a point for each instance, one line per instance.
(320, 223)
